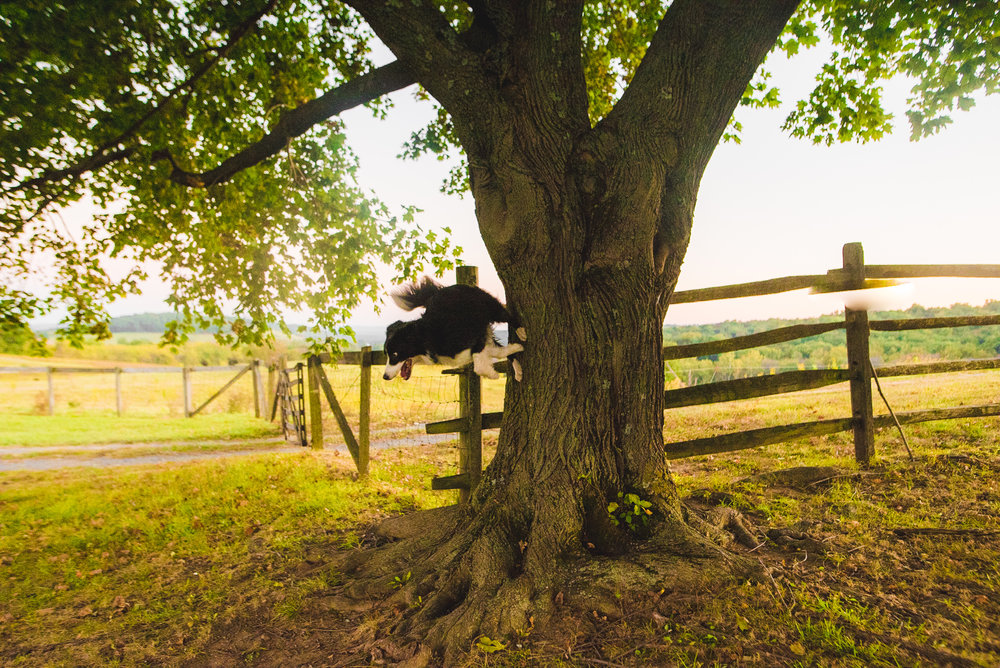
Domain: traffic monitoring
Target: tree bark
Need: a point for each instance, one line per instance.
(587, 227)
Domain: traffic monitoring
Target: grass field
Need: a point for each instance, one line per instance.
(86, 403)
(228, 561)
(69, 430)
(137, 565)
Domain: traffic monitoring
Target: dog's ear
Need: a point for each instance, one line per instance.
(393, 328)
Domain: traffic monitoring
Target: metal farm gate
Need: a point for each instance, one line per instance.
(290, 396)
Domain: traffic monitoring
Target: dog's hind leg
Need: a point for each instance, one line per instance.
(516, 366)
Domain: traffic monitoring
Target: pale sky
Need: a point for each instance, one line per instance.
(769, 207)
(774, 206)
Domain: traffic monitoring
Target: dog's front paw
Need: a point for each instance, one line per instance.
(514, 348)
(522, 333)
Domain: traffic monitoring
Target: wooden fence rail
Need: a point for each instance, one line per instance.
(852, 276)
(757, 437)
(260, 405)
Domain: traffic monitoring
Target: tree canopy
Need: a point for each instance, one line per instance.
(207, 134)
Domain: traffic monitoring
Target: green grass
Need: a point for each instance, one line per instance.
(32, 430)
(871, 597)
(396, 407)
(126, 566)
(158, 564)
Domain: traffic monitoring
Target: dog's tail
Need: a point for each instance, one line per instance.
(415, 295)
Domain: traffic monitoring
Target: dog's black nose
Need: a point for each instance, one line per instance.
(385, 376)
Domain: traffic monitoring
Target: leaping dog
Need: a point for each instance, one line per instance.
(455, 329)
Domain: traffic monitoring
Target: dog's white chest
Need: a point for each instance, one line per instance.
(460, 359)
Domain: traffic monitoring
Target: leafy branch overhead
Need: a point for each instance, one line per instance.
(205, 135)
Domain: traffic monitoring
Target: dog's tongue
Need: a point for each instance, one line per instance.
(407, 368)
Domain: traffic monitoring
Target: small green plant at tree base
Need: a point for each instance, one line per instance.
(398, 581)
(489, 645)
(251, 655)
(631, 510)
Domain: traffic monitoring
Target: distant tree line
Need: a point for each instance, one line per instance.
(144, 322)
(817, 352)
(829, 350)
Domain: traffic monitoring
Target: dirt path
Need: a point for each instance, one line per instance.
(101, 455)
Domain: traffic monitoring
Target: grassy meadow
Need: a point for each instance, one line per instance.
(138, 565)
(153, 404)
(228, 562)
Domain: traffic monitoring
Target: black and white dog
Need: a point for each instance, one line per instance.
(455, 329)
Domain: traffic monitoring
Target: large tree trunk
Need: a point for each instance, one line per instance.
(583, 428)
(585, 425)
(587, 227)
(586, 422)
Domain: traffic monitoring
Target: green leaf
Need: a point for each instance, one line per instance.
(489, 645)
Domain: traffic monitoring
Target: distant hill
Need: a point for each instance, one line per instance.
(156, 322)
(369, 335)
(141, 322)
(818, 351)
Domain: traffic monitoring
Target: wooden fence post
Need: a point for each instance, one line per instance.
(364, 410)
(315, 409)
(470, 443)
(277, 372)
(52, 392)
(859, 359)
(258, 390)
(271, 388)
(118, 391)
(186, 382)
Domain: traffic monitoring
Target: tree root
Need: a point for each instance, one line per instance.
(728, 526)
(796, 540)
(445, 579)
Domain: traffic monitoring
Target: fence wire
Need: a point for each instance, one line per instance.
(422, 398)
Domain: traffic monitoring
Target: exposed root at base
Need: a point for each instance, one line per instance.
(445, 580)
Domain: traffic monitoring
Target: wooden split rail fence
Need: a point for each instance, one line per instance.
(859, 374)
(253, 368)
(320, 392)
(287, 387)
(284, 394)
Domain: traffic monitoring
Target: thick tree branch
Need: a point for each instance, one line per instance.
(697, 67)
(448, 64)
(661, 134)
(547, 59)
(357, 91)
(100, 156)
